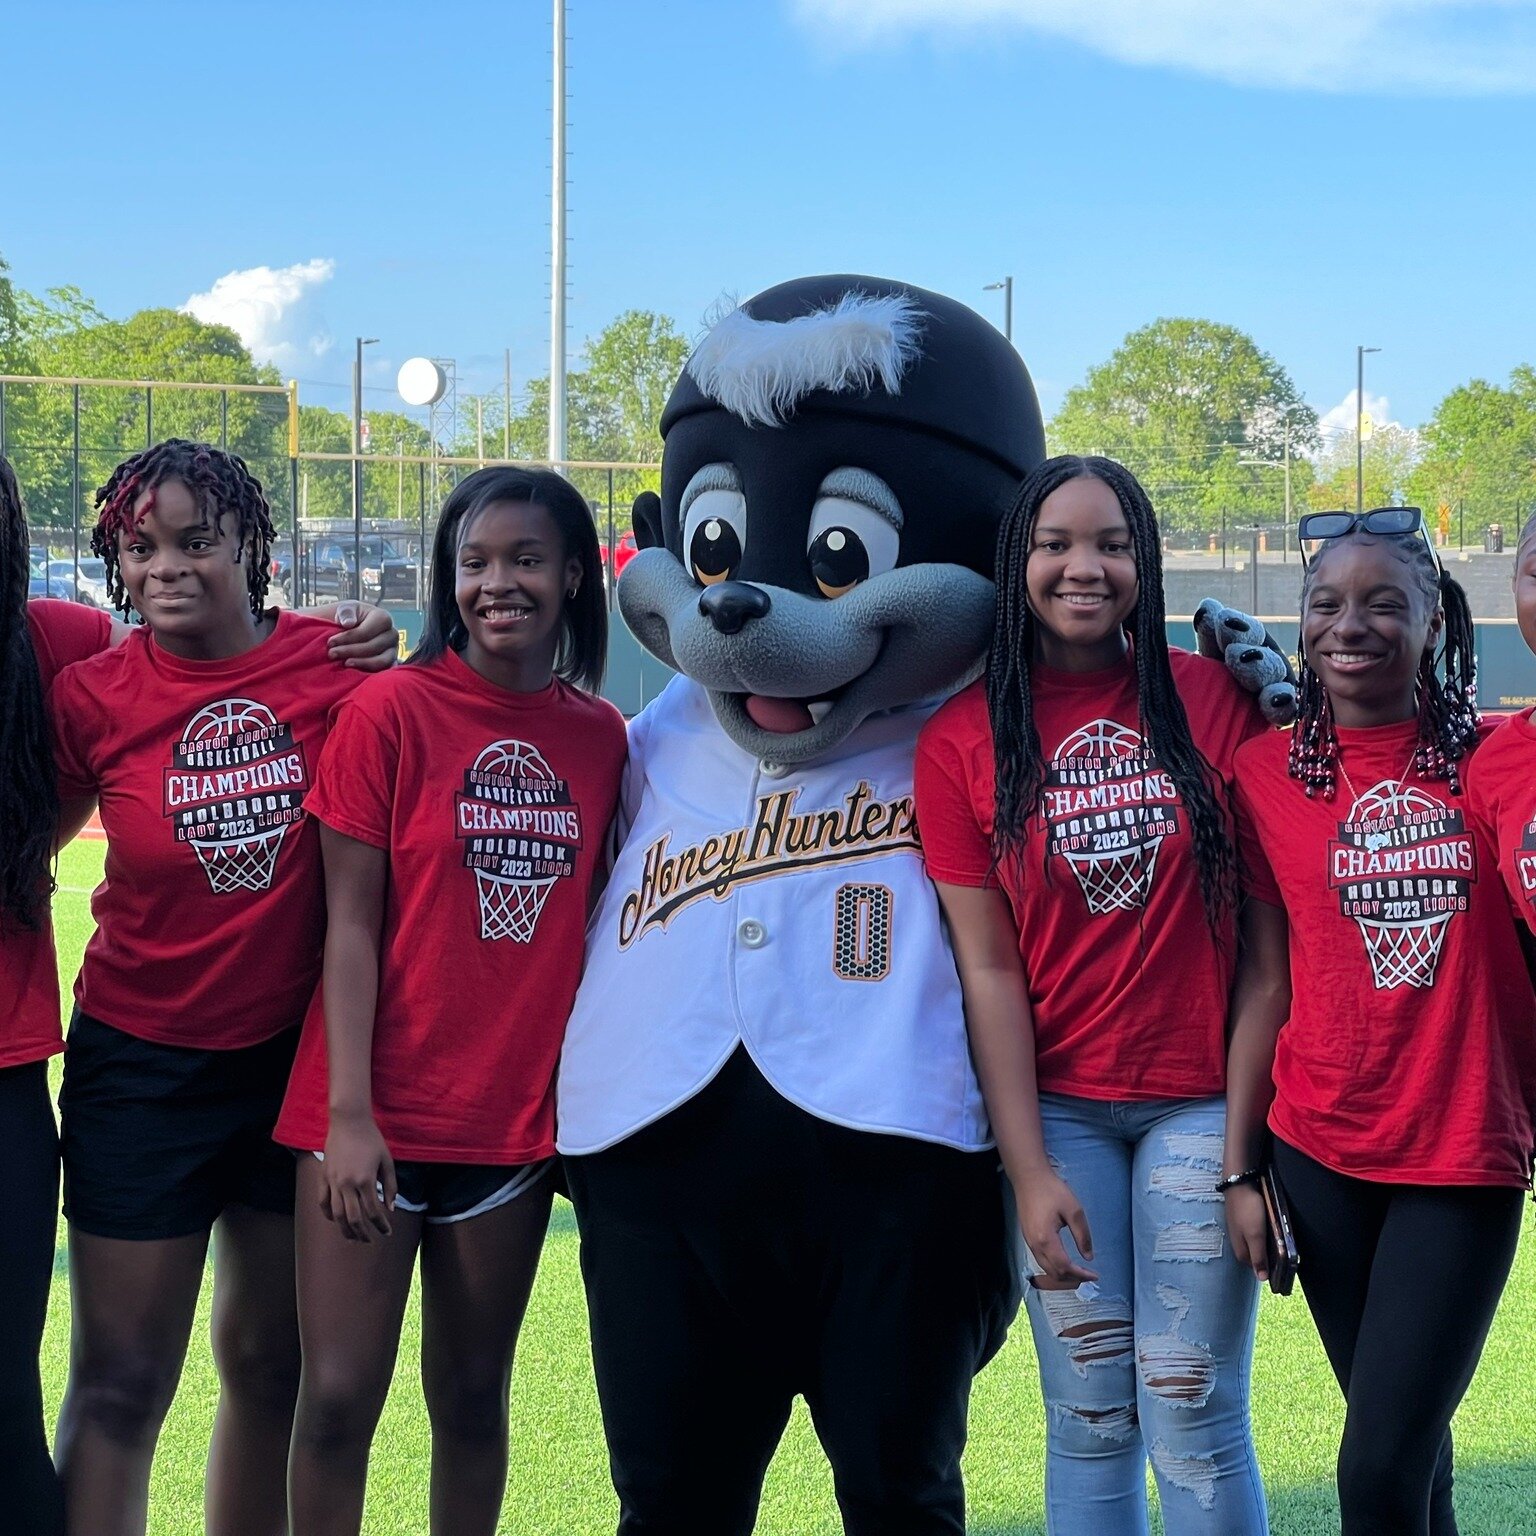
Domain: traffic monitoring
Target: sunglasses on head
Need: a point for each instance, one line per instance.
(1336, 525)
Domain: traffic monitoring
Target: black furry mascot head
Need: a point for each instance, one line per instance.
(838, 454)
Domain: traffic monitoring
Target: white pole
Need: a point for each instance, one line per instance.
(557, 448)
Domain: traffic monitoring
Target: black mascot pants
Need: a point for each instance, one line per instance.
(29, 1491)
(741, 1251)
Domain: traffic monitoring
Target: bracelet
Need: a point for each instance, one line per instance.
(1232, 1180)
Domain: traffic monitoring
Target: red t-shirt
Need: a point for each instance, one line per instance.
(492, 806)
(211, 917)
(1501, 789)
(1410, 1053)
(62, 634)
(1128, 985)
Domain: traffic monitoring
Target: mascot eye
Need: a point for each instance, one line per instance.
(839, 561)
(849, 544)
(713, 535)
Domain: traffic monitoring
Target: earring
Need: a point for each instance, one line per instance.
(570, 596)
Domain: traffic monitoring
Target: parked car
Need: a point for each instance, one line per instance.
(91, 588)
(51, 586)
(389, 570)
(622, 553)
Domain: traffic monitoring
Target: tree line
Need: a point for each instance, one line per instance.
(1206, 418)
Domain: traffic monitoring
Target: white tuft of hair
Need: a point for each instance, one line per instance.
(759, 369)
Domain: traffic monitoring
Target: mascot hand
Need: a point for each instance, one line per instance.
(1251, 656)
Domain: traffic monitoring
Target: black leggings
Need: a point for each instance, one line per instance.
(1403, 1281)
(32, 1501)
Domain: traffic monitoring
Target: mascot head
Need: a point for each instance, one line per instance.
(837, 456)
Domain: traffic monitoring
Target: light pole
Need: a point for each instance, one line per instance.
(557, 422)
(1007, 286)
(1360, 425)
(357, 461)
(1285, 463)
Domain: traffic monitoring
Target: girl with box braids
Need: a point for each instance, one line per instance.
(1020, 763)
(1098, 997)
(220, 484)
(38, 640)
(1447, 682)
(29, 807)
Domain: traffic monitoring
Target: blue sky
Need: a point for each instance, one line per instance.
(1317, 173)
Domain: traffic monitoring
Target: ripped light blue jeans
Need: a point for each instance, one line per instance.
(1154, 1360)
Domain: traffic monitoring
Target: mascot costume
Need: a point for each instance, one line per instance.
(776, 1143)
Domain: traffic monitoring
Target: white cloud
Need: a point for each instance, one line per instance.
(1340, 421)
(1400, 47)
(1402, 445)
(271, 309)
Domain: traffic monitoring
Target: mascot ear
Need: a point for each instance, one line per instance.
(645, 515)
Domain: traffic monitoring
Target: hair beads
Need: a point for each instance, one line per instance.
(1447, 705)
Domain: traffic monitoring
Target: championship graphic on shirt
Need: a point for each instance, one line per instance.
(235, 786)
(1403, 866)
(521, 833)
(1107, 807)
(1525, 862)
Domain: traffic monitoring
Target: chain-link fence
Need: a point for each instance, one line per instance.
(350, 525)
(1256, 564)
(347, 524)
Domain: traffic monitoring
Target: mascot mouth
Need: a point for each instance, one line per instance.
(788, 717)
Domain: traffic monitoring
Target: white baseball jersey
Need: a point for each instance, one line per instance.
(782, 908)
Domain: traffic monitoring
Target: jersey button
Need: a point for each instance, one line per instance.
(752, 933)
(770, 770)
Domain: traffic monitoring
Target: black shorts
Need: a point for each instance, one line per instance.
(159, 1139)
(441, 1193)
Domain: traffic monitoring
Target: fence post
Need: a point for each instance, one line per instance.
(613, 575)
(293, 527)
(421, 558)
(2, 418)
(75, 492)
(149, 414)
(224, 419)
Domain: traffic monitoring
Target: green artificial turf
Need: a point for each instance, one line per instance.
(559, 1484)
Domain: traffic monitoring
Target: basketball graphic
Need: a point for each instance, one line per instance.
(1107, 807)
(1403, 866)
(235, 786)
(521, 833)
(1525, 863)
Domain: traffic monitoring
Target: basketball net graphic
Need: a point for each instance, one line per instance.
(1525, 862)
(238, 861)
(1110, 851)
(1404, 951)
(510, 907)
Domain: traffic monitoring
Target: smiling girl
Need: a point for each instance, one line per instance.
(1074, 814)
(197, 735)
(1397, 1090)
(1501, 780)
(463, 802)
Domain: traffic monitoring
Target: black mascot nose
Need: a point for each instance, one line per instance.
(729, 604)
